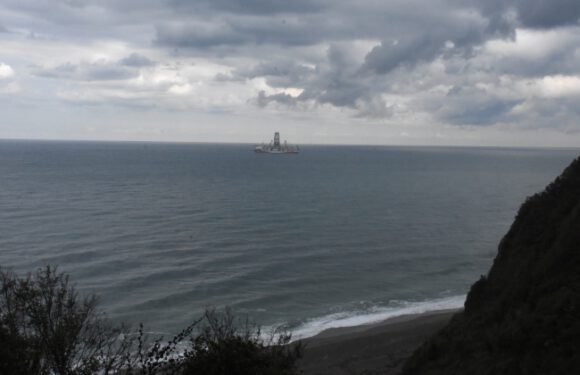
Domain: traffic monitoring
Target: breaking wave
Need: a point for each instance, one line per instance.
(376, 314)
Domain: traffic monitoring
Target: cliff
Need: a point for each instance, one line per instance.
(524, 316)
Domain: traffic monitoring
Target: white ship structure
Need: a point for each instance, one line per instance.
(275, 147)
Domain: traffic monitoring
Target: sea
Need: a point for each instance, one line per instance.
(334, 236)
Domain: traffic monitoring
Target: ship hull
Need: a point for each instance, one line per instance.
(275, 152)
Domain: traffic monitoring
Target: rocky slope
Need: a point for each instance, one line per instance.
(524, 316)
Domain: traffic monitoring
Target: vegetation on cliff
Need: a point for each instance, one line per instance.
(524, 316)
(46, 327)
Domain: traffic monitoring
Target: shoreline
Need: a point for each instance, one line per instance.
(348, 320)
(374, 348)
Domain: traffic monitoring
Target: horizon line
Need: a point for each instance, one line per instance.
(298, 144)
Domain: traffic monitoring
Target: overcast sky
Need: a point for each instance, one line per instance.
(419, 72)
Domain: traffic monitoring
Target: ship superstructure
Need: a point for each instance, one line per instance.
(275, 147)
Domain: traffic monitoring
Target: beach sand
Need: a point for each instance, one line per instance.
(379, 348)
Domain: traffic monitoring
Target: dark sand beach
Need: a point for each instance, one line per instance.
(379, 348)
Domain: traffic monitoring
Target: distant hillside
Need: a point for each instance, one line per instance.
(524, 316)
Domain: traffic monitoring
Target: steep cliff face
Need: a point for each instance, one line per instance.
(524, 316)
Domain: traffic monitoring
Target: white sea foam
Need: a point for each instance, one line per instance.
(374, 315)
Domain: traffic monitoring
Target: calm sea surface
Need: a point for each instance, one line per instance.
(333, 236)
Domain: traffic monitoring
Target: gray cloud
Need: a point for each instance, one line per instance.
(76, 3)
(279, 68)
(100, 70)
(365, 56)
(407, 51)
(96, 71)
(340, 21)
(448, 37)
(471, 106)
(61, 71)
(456, 37)
(279, 73)
(84, 20)
(548, 13)
(263, 100)
(183, 35)
(560, 114)
(375, 107)
(266, 7)
(542, 14)
(336, 81)
(105, 72)
(562, 61)
(240, 31)
(136, 60)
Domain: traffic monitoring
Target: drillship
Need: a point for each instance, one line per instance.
(275, 147)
